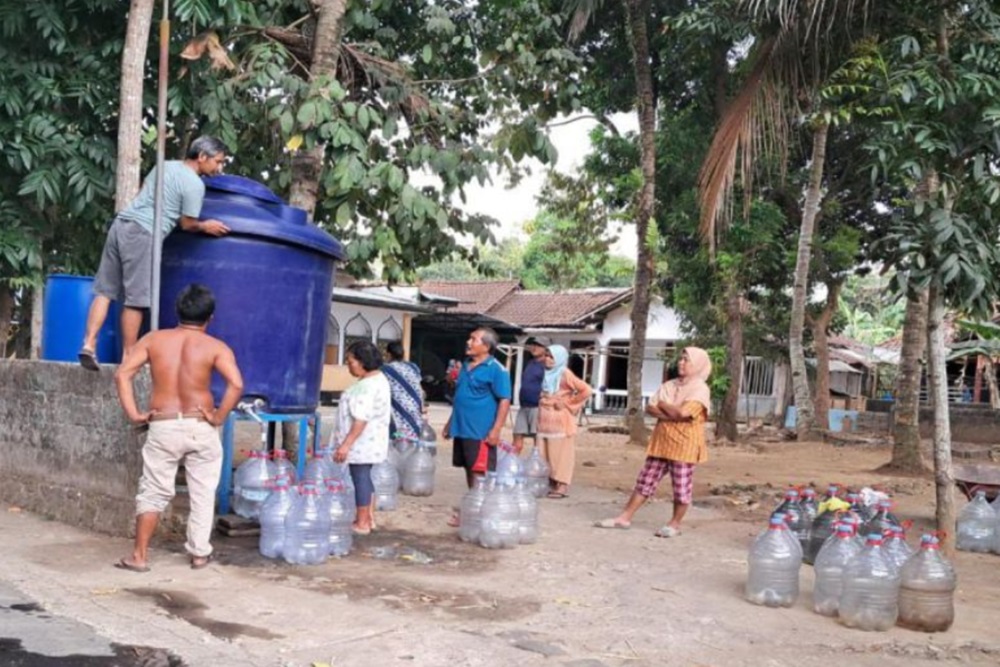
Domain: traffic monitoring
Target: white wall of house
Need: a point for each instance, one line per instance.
(662, 332)
(352, 319)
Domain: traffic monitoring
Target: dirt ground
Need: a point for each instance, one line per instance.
(413, 594)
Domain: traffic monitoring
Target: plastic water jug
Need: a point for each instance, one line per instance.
(395, 459)
(822, 527)
(307, 528)
(500, 518)
(250, 486)
(896, 548)
(282, 466)
(882, 521)
(319, 467)
(832, 491)
(341, 511)
(795, 516)
(469, 518)
(773, 578)
(385, 479)
(428, 436)
(273, 513)
(527, 506)
(927, 589)
(977, 525)
(788, 535)
(809, 504)
(510, 468)
(536, 470)
(869, 600)
(831, 562)
(419, 469)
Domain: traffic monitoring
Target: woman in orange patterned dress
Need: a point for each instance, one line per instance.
(677, 444)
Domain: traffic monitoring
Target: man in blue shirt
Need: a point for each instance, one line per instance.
(526, 423)
(482, 401)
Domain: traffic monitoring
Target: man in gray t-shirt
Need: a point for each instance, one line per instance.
(126, 263)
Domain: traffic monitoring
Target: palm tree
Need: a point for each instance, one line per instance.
(801, 42)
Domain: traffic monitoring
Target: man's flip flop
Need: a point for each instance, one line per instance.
(88, 359)
(200, 562)
(611, 523)
(123, 564)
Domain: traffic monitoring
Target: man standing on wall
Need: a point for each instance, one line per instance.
(482, 401)
(183, 422)
(126, 263)
(526, 423)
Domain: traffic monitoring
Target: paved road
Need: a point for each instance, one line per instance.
(32, 637)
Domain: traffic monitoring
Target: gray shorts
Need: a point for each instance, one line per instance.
(126, 265)
(526, 422)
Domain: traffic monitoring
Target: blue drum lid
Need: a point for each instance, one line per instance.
(250, 208)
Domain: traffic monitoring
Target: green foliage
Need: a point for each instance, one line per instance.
(58, 95)
(870, 312)
(402, 126)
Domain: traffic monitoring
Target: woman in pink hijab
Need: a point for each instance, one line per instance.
(677, 444)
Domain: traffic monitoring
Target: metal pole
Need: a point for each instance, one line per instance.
(161, 149)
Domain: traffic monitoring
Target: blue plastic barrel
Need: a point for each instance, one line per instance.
(64, 319)
(272, 277)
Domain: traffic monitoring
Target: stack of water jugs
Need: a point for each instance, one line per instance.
(415, 461)
(866, 574)
(501, 510)
(307, 523)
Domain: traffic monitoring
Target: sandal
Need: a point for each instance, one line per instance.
(123, 564)
(556, 495)
(668, 531)
(455, 520)
(88, 359)
(200, 562)
(612, 523)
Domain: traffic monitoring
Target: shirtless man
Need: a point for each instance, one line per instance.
(183, 422)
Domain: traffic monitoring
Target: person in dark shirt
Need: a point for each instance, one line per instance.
(526, 423)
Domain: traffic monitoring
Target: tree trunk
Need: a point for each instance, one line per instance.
(307, 164)
(127, 171)
(906, 456)
(991, 381)
(944, 477)
(37, 308)
(819, 325)
(637, 12)
(6, 319)
(805, 422)
(726, 422)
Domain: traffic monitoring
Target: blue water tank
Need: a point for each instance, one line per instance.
(64, 319)
(272, 276)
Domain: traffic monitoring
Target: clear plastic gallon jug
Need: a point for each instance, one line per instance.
(499, 518)
(282, 466)
(419, 470)
(250, 486)
(341, 511)
(869, 600)
(273, 513)
(927, 589)
(831, 562)
(977, 525)
(527, 506)
(773, 577)
(385, 479)
(307, 528)
(536, 470)
(469, 519)
(795, 517)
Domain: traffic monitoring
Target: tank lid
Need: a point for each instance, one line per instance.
(242, 186)
(269, 218)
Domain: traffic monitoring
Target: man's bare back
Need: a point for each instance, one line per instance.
(181, 362)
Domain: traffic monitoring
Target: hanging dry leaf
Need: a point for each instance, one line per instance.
(208, 42)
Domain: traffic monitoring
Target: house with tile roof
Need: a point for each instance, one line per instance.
(594, 324)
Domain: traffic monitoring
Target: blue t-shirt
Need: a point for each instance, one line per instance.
(531, 384)
(477, 393)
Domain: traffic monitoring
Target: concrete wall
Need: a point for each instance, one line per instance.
(66, 450)
(978, 424)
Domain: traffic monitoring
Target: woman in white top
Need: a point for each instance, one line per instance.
(363, 426)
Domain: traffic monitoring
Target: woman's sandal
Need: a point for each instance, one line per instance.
(612, 523)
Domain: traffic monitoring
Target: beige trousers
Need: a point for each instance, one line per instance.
(197, 444)
(561, 456)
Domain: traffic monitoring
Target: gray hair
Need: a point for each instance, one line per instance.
(210, 146)
(489, 337)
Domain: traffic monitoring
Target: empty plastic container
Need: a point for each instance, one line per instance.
(977, 525)
(773, 576)
(869, 600)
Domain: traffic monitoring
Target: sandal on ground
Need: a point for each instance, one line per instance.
(200, 562)
(612, 523)
(88, 359)
(455, 520)
(359, 530)
(668, 531)
(123, 564)
(556, 495)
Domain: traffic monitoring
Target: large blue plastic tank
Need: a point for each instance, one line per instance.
(272, 276)
(64, 318)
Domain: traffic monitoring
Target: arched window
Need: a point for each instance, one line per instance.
(388, 331)
(332, 340)
(357, 329)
